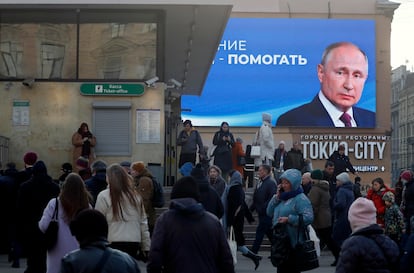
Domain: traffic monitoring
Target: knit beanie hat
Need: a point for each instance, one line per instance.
(186, 168)
(317, 174)
(362, 213)
(185, 187)
(343, 177)
(30, 158)
(389, 196)
(82, 162)
(406, 175)
(267, 117)
(138, 166)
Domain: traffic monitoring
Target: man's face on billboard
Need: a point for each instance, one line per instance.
(343, 76)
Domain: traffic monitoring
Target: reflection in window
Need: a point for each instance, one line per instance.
(117, 29)
(113, 51)
(11, 57)
(52, 61)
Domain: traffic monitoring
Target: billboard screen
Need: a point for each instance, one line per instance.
(271, 65)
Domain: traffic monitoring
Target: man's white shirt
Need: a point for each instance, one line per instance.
(334, 113)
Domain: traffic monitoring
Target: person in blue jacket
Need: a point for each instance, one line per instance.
(285, 207)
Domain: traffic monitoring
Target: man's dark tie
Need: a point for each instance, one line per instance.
(346, 119)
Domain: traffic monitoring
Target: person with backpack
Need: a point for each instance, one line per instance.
(149, 189)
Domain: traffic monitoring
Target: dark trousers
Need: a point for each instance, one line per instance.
(325, 237)
(187, 158)
(131, 248)
(264, 227)
(36, 255)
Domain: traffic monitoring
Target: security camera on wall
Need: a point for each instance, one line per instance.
(28, 82)
(152, 81)
(176, 83)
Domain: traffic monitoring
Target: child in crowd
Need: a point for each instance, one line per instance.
(394, 222)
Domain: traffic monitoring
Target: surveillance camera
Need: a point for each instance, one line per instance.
(151, 81)
(28, 82)
(176, 83)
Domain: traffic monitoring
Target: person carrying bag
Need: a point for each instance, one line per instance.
(291, 209)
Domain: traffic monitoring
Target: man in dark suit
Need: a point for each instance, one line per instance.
(342, 74)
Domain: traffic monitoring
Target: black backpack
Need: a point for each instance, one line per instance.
(158, 196)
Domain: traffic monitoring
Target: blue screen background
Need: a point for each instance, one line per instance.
(239, 93)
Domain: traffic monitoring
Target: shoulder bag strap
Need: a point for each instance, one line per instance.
(102, 261)
(301, 226)
(56, 212)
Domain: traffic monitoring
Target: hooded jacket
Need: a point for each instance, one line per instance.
(319, 197)
(292, 208)
(188, 239)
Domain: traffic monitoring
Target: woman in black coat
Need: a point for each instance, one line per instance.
(368, 249)
(224, 141)
(235, 211)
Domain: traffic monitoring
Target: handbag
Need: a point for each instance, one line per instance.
(280, 248)
(305, 253)
(241, 160)
(255, 151)
(233, 245)
(51, 233)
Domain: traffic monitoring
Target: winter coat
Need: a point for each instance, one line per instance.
(341, 163)
(219, 185)
(291, 208)
(144, 186)
(407, 206)
(135, 226)
(222, 153)
(236, 152)
(263, 194)
(188, 239)
(278, 155)
(33, 197)
(266, 142)
(376, 197)
(209, 197)
(65, 243)
(189, 141)
(77, 143)
(96, 184)
(234, 204)
(394, 222)
(294, 160)
(85, 260)
(343, 200)
(368, 250)
(319, 197)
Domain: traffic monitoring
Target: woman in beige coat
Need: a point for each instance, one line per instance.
(83, 142)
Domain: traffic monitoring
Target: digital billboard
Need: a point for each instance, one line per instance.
(271, 65)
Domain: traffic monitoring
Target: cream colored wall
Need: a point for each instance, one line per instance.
(56, 111)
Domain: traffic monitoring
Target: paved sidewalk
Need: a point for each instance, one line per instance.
(244, 265)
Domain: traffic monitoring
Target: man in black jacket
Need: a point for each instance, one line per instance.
(265, 189)
(32, 199)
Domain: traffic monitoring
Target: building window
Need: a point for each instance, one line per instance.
(112, 128)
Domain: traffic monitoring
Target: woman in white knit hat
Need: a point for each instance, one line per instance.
(368, 249)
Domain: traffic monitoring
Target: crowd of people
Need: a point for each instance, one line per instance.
(107, 219)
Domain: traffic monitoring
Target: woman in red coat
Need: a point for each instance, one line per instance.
(236, 152)
(375, 194)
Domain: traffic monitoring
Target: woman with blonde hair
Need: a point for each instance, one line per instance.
(123, 209)
(73, 198)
